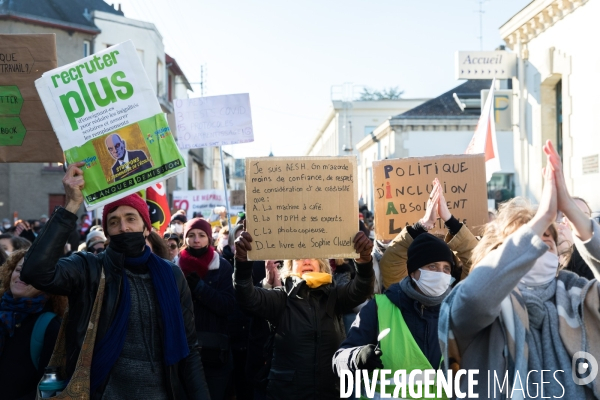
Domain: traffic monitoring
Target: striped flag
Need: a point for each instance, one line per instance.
(484, 139)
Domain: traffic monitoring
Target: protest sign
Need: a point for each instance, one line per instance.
(213, 121)
(301, 207)
(25, 131)
(402, 188)
(105, 113)
(237, 197)
(200, 201)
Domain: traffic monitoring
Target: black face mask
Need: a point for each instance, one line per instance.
(197, 252)
(130, 244)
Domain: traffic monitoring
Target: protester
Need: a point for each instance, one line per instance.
(409, 308)
(209, 278)
(94, 242)
(177, 222)
(146, 345)
(228, 243)
(173, 244)
(517, 315)
(6, 242)
(29, 325)
(157, 245)
(6, 225)
(307, 313)
(460, 240)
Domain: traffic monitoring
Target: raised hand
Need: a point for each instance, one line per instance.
(429, 219)
(580, 223)
(548, 207)
(242, 246)
(363, 246)
(442, 206)
(73, 183)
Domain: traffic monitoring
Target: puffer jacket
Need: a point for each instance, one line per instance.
(78, 277)
(309, 329)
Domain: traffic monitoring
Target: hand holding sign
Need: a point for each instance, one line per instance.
(73, 183)
(363, 246)
(242, 246)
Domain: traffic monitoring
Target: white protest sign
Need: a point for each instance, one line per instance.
(97, 95)
(213, 121)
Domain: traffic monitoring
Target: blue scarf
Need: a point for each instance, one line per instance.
(14, 311)
(175, 347)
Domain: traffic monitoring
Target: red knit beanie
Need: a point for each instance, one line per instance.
(133, 200)
(198, 223)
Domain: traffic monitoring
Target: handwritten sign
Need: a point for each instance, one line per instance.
(402, 188)
(213, 121)
(301, 207)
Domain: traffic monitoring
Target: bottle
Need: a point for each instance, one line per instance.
(50, 385)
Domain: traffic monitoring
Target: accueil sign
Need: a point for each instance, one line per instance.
(497, 64)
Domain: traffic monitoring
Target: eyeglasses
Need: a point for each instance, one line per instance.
(96, 250)
(173, 246)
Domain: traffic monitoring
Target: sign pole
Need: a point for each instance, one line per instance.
(225, 188)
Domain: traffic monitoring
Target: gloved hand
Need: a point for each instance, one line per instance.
(242, 246)
(194, 282)
(363, 246)
(368, 358)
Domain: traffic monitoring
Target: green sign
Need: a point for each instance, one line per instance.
(12, 131)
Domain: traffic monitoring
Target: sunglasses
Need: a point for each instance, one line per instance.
(96, 250)
(173, 246)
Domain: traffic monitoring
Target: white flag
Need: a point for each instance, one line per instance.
(484, 139)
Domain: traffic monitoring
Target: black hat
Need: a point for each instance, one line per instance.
(179, 217)
(426, 249)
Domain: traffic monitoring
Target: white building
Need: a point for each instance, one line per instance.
(348, 122)
(555, 90)
(169, 82)
(436, 127)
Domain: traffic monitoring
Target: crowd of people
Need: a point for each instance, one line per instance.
(186, 315)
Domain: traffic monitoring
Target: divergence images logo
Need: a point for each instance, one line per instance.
(584, 363)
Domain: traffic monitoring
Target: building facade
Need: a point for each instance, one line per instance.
(437, 127)
(555, 90)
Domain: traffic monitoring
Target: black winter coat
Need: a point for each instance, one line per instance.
(309, 329)
(78, 277)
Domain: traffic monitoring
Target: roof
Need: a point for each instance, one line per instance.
(444, 106)
(176, 69)
(69, 15)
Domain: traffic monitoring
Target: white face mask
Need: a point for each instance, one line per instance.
(177, 228)
(7, 226)
(543, 271)
(433, 284)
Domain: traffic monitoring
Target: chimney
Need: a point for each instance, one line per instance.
(120, 7)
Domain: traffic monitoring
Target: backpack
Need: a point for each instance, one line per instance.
(37, 336)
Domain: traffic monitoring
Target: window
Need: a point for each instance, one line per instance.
(87, 48)
(559, 119)
(501, 188)
(369, 129)
(160, 78)
(53, 167)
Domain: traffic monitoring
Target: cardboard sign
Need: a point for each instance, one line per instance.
(237, 197)
(105, 113)
(213, 121)
(402, 189)
(301, 207)
(202, 201)
(26, 134)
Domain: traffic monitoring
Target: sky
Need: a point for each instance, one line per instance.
(287, 55)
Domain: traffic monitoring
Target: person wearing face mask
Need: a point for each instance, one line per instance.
(517, 315)
(307, 315)
(177, 223)
(410, 309)
(460, 240)
(146, 344)
(209, 278)
(6, 225)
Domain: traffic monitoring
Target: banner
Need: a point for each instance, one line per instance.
(105, 113)
(158, 206)
(402, 188)
(202, 201)
(213, 121)
(301, 207)
(26, 134)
